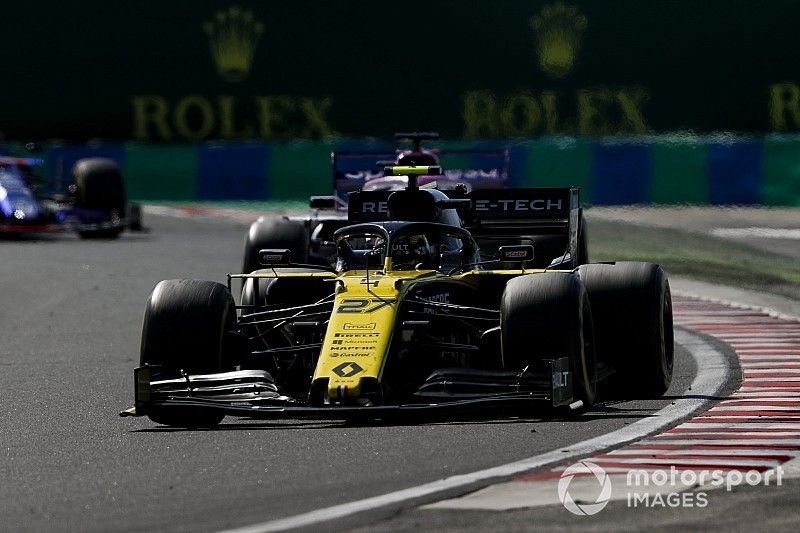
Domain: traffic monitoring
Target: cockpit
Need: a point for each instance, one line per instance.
(404, 246)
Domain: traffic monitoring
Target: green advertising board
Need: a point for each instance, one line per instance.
(245, 69)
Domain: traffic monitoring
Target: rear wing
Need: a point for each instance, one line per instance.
(515, 209)
(498, 216)
(489, 209)
(515, 216)
(478, 168)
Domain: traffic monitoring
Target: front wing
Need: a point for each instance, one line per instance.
(253, 394)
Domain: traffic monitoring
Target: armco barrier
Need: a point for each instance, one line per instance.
(678, 169)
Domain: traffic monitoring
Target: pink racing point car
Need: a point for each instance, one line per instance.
(311, 237)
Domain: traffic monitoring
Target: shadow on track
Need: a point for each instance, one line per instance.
(606, 410)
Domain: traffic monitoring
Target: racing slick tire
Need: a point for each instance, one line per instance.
(184, 328)
(274, 232)
(548, 315)
(98, 186)
(632, 309)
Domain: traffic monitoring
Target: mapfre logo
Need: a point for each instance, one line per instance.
(595, 485)
(233, 36)
(358, 327)
(558, 28)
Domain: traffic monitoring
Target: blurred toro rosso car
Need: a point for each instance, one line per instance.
(93, 204)
(311, 236)
(414, 319)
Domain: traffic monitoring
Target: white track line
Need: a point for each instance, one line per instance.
(678, 462)
(737, 425)
(762, 434)
(725, 442)
(737, 400)
(747, 452)
(758, 408)
(712, 374)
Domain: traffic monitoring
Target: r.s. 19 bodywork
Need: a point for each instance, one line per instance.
(414, 318)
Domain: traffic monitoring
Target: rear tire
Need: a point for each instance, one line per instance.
(273, 232)
(184, 328)
(547, 316)
(632, 307)
(99, 187)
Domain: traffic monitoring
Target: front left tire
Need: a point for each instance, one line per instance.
(184, 329)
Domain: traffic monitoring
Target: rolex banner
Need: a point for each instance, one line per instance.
(187, 72)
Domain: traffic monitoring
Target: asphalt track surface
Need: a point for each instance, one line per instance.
(70, 323)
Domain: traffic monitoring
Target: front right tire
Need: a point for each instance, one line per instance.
(632, 306)
(548, 316)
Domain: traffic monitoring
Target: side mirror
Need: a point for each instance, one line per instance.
(274, 257)
(516, 254)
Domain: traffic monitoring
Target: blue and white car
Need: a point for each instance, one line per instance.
(93, 203)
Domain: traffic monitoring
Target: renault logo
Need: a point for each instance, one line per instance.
(347, 370)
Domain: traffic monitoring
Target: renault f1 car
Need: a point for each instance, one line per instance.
(412, 320)
(311, 236)
(94, 204)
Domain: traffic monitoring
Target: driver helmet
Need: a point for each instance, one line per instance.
(417, 159)
(410, 251)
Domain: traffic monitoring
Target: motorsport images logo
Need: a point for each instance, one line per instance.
(585, 488)
(583, 468)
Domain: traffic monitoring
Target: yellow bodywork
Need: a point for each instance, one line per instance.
(359, 332)
(362, 323)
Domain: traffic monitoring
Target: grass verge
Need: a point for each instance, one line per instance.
(697, 256)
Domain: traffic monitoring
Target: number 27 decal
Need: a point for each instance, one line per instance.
(363, 305)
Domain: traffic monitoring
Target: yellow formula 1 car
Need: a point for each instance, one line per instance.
(415, 319)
